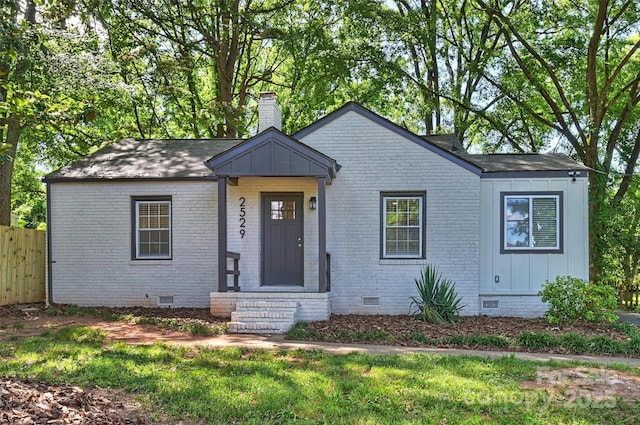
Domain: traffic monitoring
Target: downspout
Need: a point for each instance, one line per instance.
(49, 297)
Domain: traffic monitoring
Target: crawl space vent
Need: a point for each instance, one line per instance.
(370, 301)
(490, 304)
(165, 300)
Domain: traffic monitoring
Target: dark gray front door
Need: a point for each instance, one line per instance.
(282, 239)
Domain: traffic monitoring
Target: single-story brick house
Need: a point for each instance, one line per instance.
(339, 217)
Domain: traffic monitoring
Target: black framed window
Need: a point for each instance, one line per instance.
(531, 222)
(402, 225)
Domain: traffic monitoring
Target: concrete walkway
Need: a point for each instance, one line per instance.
(277, 342)
(629, 317)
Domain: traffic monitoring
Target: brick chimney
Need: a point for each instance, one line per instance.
(268, 112)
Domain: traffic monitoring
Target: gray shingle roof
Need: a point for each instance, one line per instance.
(507, 162)
(185, 159)
(147, 159)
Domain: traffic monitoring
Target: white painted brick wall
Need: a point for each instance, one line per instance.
(91, 241)
(374, 159)
(519, 306)
(268, 113)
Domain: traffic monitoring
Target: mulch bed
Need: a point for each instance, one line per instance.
(398, 329)
(28, 402)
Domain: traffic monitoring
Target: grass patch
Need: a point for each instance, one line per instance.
(191, 326)
(245, 386)
(83, 334)
(470, 341)
(301, 331)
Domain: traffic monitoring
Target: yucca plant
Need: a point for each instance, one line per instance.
(437, 300)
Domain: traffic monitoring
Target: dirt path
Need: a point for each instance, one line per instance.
(17, 322)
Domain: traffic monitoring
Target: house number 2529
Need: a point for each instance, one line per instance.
(243, 220)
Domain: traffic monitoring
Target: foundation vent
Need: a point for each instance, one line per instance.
(165, 300)
(370, 301)
(489, 303)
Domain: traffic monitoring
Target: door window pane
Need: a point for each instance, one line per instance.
(283, 210)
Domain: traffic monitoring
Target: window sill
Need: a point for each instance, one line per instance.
(531, 251)
(402, 261)
(167, 262)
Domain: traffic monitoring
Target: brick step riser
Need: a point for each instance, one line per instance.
(261, 305)
(239, 316)
(257, 327)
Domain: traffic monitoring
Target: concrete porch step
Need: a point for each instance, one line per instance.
(252, 305)
(262, 316)
(268, 327)
(283, 315)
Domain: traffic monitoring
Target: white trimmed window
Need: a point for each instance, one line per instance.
(152, 232)
(402, 225)
(532, 222)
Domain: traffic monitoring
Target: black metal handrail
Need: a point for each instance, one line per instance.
(235, 256)
(328, 265)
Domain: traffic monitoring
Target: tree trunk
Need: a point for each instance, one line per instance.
(12, 130)
(597, 196)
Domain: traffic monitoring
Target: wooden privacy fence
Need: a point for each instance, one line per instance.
(22, 265)
(631, 296)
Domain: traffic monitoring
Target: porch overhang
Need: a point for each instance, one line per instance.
(273, 154)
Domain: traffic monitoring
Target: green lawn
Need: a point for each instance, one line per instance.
(307, 387)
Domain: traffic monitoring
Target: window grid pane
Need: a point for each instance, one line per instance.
(403, 227)
(154, 229)
(283, 210)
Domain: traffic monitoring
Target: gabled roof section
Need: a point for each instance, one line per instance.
(273, 154)
(512, 164)
(157, 159)
(354, 107)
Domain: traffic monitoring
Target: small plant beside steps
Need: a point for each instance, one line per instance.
(437, 300)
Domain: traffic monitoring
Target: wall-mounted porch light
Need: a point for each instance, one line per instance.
(313, 202)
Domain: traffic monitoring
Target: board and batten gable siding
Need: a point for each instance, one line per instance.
(373, 160)
(91, 245)
(521, 275)
(250, 246)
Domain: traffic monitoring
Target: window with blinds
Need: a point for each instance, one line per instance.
(531, 222)
(152, 229)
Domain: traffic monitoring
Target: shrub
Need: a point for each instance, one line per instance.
(420, 338)
(497, 341)
(572, 299)
(605, 345)
(536, 340)
(575, 342)
(437, 300)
